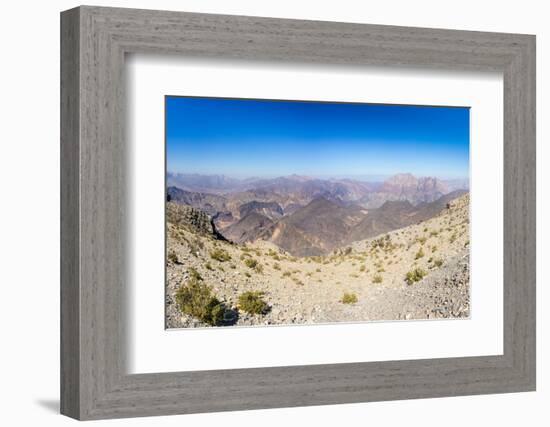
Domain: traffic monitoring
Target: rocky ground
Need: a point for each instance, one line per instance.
(311, 289)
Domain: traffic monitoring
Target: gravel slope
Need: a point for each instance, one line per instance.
(310, 290)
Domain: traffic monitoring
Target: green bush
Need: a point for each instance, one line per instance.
(298, 281)
(383, 243)
(273, 255)
(254, 265)
(173, 257)
(419, 254)
(438, 262)
(252, 302)
(217, 314)
(194, 274)
(250, 262)
(349, 298)
(220, 255)
(196, 299)
(414, 276)
(377, 279)
(421, 240)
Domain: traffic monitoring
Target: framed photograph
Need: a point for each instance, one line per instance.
(261, 213)
(313, 215)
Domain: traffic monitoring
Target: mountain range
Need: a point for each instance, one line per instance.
(308, 216)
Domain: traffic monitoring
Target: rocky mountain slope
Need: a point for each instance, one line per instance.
(229, 200)
(420, 271)
(301, 190)
(323, 225)
(191, 220)
(397, 214)
(270, 210)
(212, 204)
(249, 228)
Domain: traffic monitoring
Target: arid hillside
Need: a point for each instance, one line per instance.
(307, 216)
(420, 271)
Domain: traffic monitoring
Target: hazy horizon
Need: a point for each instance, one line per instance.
(267, 138)
(363, 178)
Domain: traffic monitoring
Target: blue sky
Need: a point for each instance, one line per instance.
(245, 138)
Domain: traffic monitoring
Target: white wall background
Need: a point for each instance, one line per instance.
(29, 224)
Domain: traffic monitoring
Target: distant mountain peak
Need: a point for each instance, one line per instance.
(402, 179)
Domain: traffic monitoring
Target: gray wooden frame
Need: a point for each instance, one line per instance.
(94, 382)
